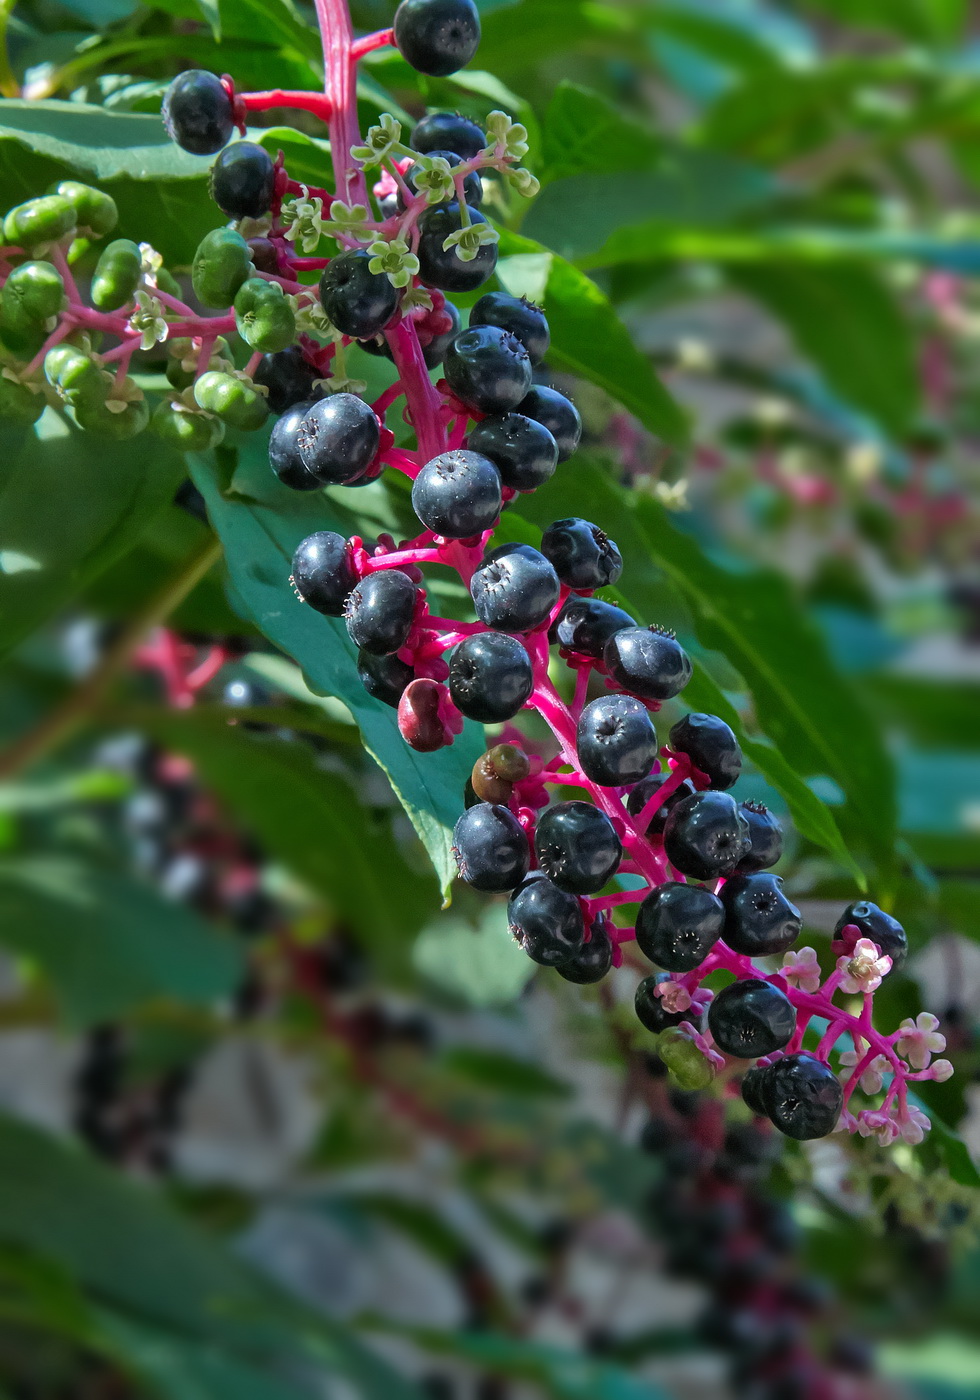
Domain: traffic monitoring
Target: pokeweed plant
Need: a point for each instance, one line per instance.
(404, 214)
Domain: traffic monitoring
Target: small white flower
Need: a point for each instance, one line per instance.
(395, 259)
(468, 241)
(434, 178)
(872, 1075)
(148, 321)
(524, 182)
(506, 134)
(864, 969)
(417, 298)
(379, 142)
(150, 264)
(311, 319)
(674, 997)
(303, 219)
(941, 1070)
(349, 218)
(920, 1040)
(913, 1124)
(802, 968)
(875, 1122)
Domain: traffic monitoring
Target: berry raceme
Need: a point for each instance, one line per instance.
(661, 817)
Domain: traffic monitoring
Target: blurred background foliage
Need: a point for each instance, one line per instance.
(274, 1125)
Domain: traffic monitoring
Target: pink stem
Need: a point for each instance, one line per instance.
(393, 392)
(340, 86)
(315, 102)
(381, 39)
(420, 392)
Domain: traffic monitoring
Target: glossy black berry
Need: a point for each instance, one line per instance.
(577, 846)
(487, 369)
(677, 926)
(802, 1096)
(435, 352)
(523, 451)
(759, 919)
(242, 181)
(649, 662)
(616, 740)
(288, 376)
(751, 1018)
(766, 836)
(490, 677)
(442, 267)
(457, 494)
(322, 572)
(337, 438)
(359, 302)
(285, 458)
(585, 625)
(546, 921)
(472, 184)
(583, 555)
(517, 315)
(880, 927)
(491, 848)
(437, 37)
(514, 589)
(380, 611)
(384, 677)
(641, 794)
(706, 835)
(558, 414)
(448, 131)
(753, 1081)
(197, 112)
(651, 1011)
(710, 745)
(593, 960)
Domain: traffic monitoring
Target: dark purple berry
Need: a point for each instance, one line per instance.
(197, 112)
(585, 625)
(677, 926)
(577, 846)
(336, 439)
(448, 131)
(751, 1018)
(490, 677)
(457, 495)
(242, 181)
(437, 37)
(524, 452)
(651, 1011)
(514, 589)
(710, 745)
(648, 661)
(880, 927)
(583, 555)
(753, 1081)
(766, 836)
(384, 677)
(284, 454)
(435, 352)
(380, 611)
(472, 184)
(642, 793)
(443, 267)
(322, 572)
(288, 376)
(706, 836)
(547, 922)
(759, 919)
(359, 302)
(616, 740)
(593, 960)
(802, 1096)
(558, 414)
(487, 369)
(517, 315)
(491, 848)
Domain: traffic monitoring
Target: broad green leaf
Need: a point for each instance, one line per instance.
(935, 714)
(584, 132)
(926, 21)
(175, 1368)
(587, 337)
(476, 963)
(108, 943)
(848, 324)
(314, 822)
(260, 533)
(70, 505)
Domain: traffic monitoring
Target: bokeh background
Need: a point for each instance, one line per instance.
(275, 1124)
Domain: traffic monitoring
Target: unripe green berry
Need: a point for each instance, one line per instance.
(117, 275)
(221, 264)
(688, 1068)
(42, 220)
(233, 400)
(102, 422)
(188, 432)
(76, 379)
(95, 212)
(264, 317)
(18, 403)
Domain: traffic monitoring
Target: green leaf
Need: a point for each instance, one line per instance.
(584, 132)
(260, 534)
(478, 964)
(312, 820)
(175, 1368)
(845, 320)
(47, 551)
(506, 1074)
(587, 337)
(108, 943)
